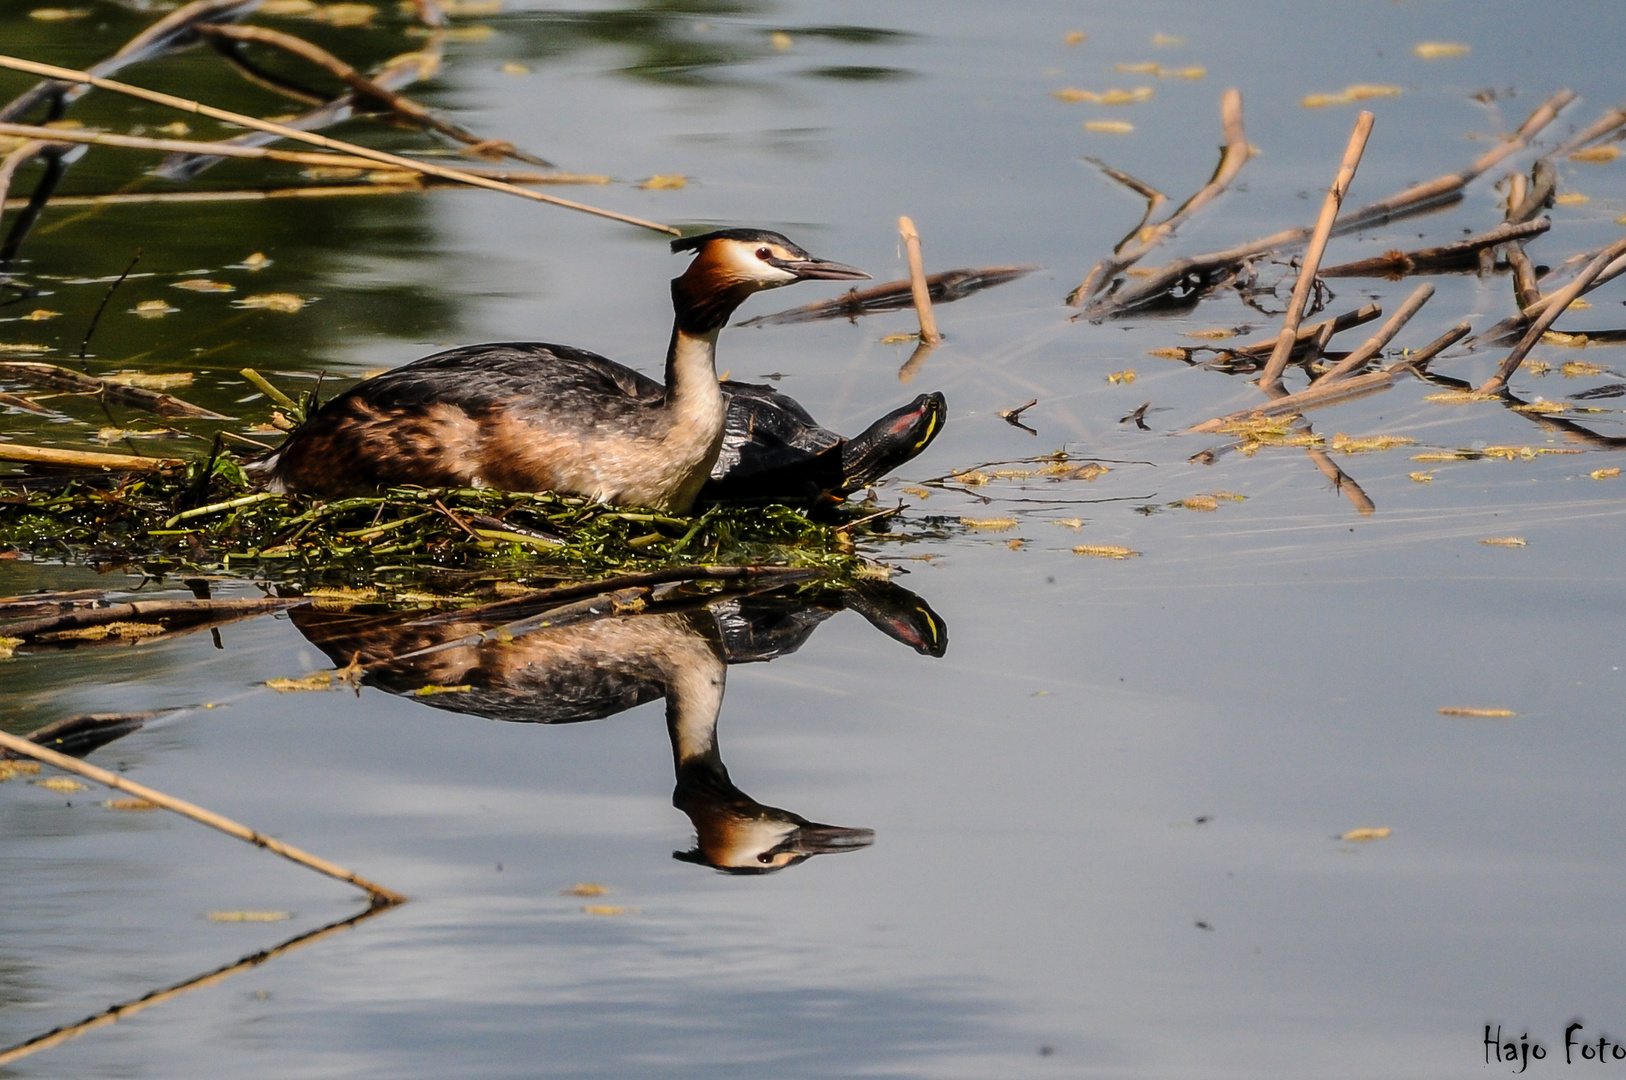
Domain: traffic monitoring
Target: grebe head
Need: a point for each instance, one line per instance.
(731, 264)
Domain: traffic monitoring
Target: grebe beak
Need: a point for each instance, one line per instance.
(821, 270)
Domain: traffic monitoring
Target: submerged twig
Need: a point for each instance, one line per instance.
(1318, 244)
(95, 320)
(944, 288)
(199, 109)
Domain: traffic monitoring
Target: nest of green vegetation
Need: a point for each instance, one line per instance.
(220, 524)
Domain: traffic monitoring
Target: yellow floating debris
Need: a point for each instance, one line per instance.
(40, 315)
(1167, 354)
(151, 380)
(256, 261)
(1543, 407)
(8, 769)
(1575, 369)
(1439, 50)
(61, 783)
(992, 524)
(1069, 523)
(1204, 503)
(1441, 455)
(1504, 541)
(665, 183)
(46, 14)
(1087, 472)
(1459, 397)
(133, 805)
(1462, 710)
(1105, 97)
(1210, 335)
(1164, 40)
(1422, 477)
(127, 630)
(204, 285)
(1075, 37)
(899, 339)
(1015, 545)
(917, 492)
(316, 680)
(1572, 198)
(340, 598)
(1376, 443)
(1605, 474)
(1596, 154)
(607, 909)
(1230, 496)
(1109, 127)
(249, 916)
(1121, 378)
(781, 40)
(1361, 836)
(154, 309)
(584, 888)
(971, 479)
(1536, 367)
(1573, 341)
(287, 303)
(1105, 551)
(1350, 94)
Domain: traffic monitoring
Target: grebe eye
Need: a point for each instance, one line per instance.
(764, 254)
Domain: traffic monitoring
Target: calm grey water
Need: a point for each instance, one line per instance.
(1041, 899)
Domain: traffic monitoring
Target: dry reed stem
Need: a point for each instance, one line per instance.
(1374, 344)
(401, 105)
(1154, 198)
(1407, 201)
(15, 402)
(113, 1014)
(1319, 396)
(917, 282)
(64, 136)
(1338, 324)
(42, 455)
(61, 378)
(1555, 305)
(191, 612)
(1318, 245)
(1232, 157)
(22, 746)
(1594, 131)
(199, 109)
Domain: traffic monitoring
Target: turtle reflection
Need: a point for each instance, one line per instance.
(595, 663)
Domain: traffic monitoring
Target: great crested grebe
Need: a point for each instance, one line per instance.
(529, 416)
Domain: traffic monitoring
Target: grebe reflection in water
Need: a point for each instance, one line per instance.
(678, 648)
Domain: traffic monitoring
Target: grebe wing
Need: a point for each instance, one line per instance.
(477, 377)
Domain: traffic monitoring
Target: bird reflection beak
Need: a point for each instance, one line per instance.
(821, 270)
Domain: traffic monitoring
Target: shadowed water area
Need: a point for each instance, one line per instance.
(1311, 781)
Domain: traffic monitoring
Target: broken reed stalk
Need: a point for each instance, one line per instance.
(15, 402)
(199, 109)
(1397, 264)
(402, 106)
(1319, 396)
(1555, 306)
(43, 455)
(113, 1014)
(1234, 155)
(1154, 199)
(1594, 131)
(1410, 200)
(1373, 345)
(314, 191)
(49, 135)
(1318, 245)
(378, 893)
(917, 282)
(191, 611)
(1338, 324)
(61, 378)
